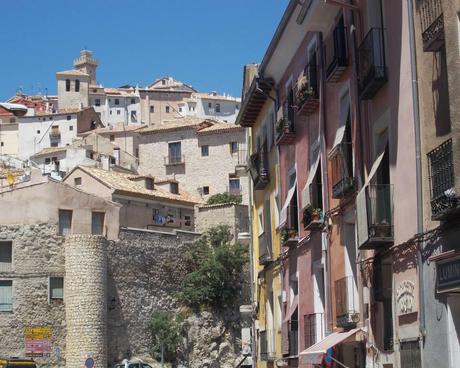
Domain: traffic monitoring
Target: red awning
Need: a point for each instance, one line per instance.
(315, 353)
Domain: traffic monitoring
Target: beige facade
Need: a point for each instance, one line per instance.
(204, 159)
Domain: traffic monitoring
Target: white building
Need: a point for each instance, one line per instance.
(211, 106)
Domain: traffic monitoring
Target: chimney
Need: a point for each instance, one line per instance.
(105, 162)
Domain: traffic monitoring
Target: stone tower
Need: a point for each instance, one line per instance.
(85, 300)
(86, 64)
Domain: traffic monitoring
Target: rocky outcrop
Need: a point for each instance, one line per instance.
(211, 340)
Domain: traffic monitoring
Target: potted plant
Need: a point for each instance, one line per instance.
(287, 233)
(281, 125)
(304, 90)
(316, 214)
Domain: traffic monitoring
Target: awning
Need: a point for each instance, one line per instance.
(315, 353)
(306, 199)
(292, 308)
(361, 205)
(344, 112)
(284, 210)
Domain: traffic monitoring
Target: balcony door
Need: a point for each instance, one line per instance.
(174, 152)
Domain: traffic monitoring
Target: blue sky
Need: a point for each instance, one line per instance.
(202, 42)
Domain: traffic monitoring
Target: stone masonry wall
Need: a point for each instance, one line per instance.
(85, 297)
(145, 269)
(38, 253)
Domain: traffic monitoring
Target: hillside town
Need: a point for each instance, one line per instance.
(310, 222)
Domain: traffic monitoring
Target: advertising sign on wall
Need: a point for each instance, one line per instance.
(37, 342)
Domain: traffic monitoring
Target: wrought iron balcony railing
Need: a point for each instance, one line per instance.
(445, 203)
(285, 132)
(335, 50)
(313, 328)
(342, 171)
(346, 302)
(432, 24)
(306, 91)
(174, 159)
(372, 70)
(379, 212)
(258, 168)
(293, 334)
(265, 255)
(55, 135)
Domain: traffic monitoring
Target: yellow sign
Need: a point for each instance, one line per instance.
(37, 333)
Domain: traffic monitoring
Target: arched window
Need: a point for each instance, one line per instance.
(77, 85)
(67, 85)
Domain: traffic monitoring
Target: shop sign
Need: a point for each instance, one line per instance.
(37, 342)
(448, 275)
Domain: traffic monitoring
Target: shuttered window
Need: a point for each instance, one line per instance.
(6, 295)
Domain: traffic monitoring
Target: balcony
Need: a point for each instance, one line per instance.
(293, 335)
(263, 346)
(372, 71)
(346, 303)
(342, 171)
(55, 135)
(445, 203)
(258, 168)
(379, 216)
(335, 50)
(313, 219)
(265, 256)
(172, 160)
(432, 24)
(313, 328)
(285, 132)
(306, 95)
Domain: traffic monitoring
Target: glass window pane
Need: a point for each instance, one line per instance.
(97, 223)
(6, 295)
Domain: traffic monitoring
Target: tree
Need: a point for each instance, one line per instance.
(216, 271)
(222, 198)
(165, 329)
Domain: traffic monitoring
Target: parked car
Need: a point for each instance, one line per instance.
(17, 363)
(135, 363)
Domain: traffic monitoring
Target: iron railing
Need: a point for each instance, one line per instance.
(258, 168)
(264, 250)
(285, 131)
(346, 302)
(342, 170)
(55, 135)
(313, 329)
(293, 334)
(444, 200)
(432, 24)
(307, 90)
(335, 50)
(174, 159)
(372, 71)
(410, 354)
(379, 205)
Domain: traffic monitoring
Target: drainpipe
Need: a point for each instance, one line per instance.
(324, 237)
(418, 158)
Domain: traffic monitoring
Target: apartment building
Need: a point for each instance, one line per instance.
(192, 151)
(339, 77)
(437, 43)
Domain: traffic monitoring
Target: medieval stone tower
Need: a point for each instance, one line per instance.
(87, 64)
(85, 306)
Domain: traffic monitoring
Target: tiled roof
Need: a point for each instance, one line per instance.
(187, 122)
(123, 182)
(211, 96)
(120, 127)
(49, 150)
(220, 128)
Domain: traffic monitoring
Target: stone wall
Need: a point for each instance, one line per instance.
(38, 253)
(145, 269)
(85, 298)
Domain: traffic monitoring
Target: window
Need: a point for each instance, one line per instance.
(69, 117)
(237, 107)
(205, 150)
(77, 181)
(174, 188)
(38, 132)
(206, 190)
(1, 144)
(217, 107)
(234, 183)
(117, 101)
(6, 256)
(54, 144)
(163, 82)
(47, 161)
(65, 222)
(97, 102)
(77, 85)
(118, 111)
(149, 183)
(12, 120)
(210, 105)
(112, 137)
(110, 112)
(187, 221)
(134, 116)
(6, 295)
(233, 147)
(167, 109)
(97, 223)
(56, 288)
(67, 85)
(70, 127)
(133, 101)
(180, 108)
(174, 152)
(152, 109)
